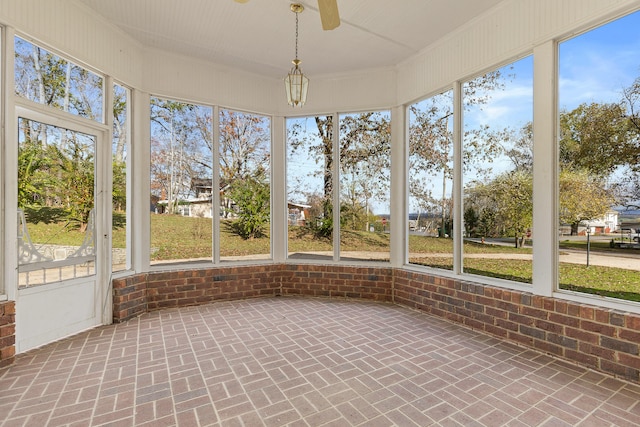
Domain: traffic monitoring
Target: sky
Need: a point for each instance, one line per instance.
(595, 66)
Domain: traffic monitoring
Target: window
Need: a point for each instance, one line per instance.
(45, 78)
(245, 186)
(56, 227)
(181, 181)
(599, 177)
(365, 162)
(310, 187)
(120, 169)
(498, 173)
(431, 181)
(363, 167)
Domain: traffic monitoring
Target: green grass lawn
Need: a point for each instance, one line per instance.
(177, 237)
(598, 245)
(604, 281)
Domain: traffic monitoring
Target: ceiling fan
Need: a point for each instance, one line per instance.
(328, 13)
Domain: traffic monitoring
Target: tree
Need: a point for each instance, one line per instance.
(631, 99)
(244, 145)
(55, 166)
(316, 145)
(583, 197)
(119, 163)
(179, 152)
(364, 159)
(520, 151)
(628, 190)
(595, 138)
(431, 140)
(471, 221)
(251, 195)
(505, 201)
(77, 178)
(51, 80)
(513, 192)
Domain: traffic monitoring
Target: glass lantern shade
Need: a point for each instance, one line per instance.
(296, 85)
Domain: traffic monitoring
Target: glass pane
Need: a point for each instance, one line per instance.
(120, 147)
(48, 79)
(431, 181)
(599, 179)
(55, 203)
(310, 186)
(245, 186)
(365, 178)
(181, 182)
(498, 173)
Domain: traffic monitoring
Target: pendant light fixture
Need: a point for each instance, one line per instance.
(296, 83)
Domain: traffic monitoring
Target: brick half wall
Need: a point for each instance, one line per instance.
(7, 333)
(600, 338)
(603, 339)
(137, 294)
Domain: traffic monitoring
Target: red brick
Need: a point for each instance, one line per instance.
(633, 321)
(500, 314)
(603, 315)
(596, 350)
(588, 313)
(533, 312)
(10, 308)
(8, 330)
(629, 335)
(512, 326)
(579, 334)
(523, 320)
(495, 330)
(549, 326)
(598, 327)
(549, 303)
(561, 307)
(629, 360)
(522, 339)
(548, 347)
(573, 310)
(618, 369)
(564, 320)
(582, 358)
(7, 352)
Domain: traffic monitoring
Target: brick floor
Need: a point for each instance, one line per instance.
(302, 362)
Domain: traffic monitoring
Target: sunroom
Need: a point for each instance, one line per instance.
(447, 157)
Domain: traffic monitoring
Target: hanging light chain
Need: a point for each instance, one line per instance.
(297, 13)
(296, 83)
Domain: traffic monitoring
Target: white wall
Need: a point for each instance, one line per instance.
(510, 30)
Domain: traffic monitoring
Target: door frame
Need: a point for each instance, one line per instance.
(45, 313)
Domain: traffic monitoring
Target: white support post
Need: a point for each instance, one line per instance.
(399, 190)
(9, 178)
(140, 183)
(457, 193)
(335, 188)
(215, 190)
(279, 224)
(545, 169)
(104, 210)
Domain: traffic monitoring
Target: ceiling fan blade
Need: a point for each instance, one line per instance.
(329, 14)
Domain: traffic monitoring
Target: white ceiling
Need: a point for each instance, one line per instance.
(259, 36)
